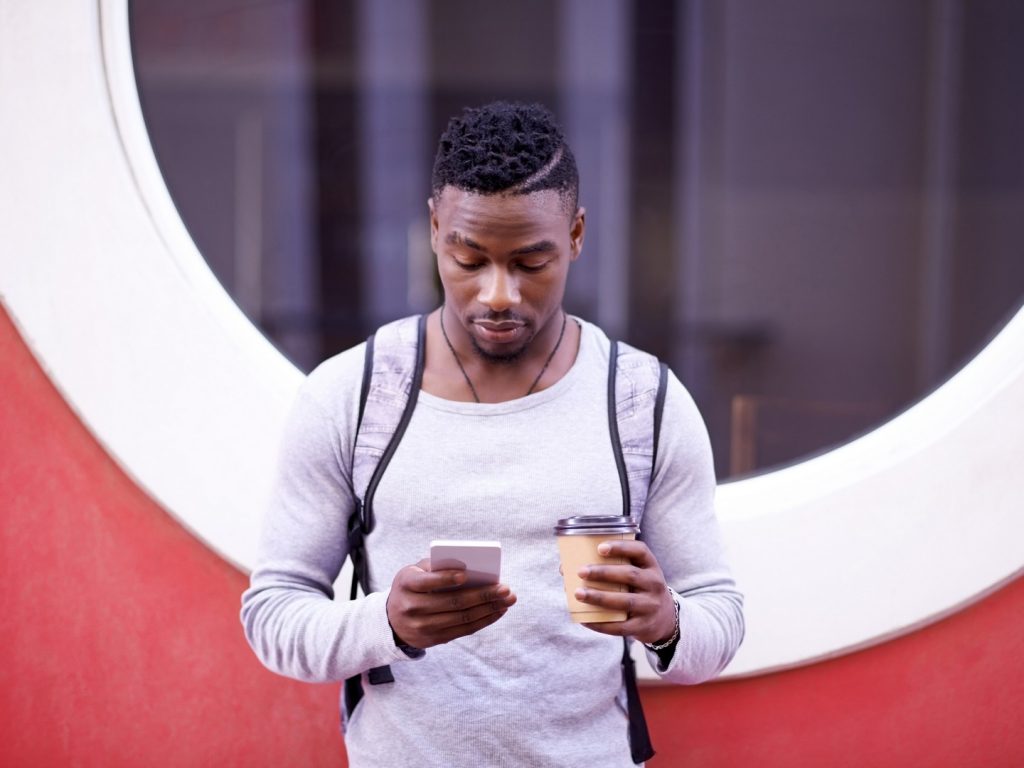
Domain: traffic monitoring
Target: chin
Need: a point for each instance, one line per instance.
(502, 355)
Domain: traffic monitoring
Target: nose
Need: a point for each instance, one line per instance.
(499, 291)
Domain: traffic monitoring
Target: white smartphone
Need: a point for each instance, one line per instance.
(481, 559)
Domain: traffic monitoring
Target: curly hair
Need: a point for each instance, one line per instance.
(506, 147)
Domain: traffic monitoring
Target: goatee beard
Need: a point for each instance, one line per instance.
(511, 358)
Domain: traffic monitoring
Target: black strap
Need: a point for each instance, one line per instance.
(357, 551)
(613, 427)
(659, 408)
(410, 406)
(361, 522)
(640, 747)
(356, 546)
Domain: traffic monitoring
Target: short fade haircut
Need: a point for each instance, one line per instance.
(506, 147)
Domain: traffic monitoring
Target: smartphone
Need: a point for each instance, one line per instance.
(480, 559)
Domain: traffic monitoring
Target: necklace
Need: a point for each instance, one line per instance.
(465, 375)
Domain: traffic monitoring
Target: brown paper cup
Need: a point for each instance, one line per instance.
(577, 551)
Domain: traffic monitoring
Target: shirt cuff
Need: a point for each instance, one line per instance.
(386, 634)
(662, 660)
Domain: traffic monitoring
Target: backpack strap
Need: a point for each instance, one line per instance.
(364, 390)
(636, 399)
(394, 358)
(640, 746)
(392, 376)
(637, 383)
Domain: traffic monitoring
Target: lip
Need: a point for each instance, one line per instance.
(499, 333)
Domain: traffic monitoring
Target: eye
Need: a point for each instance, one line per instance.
(469, 266)
(532, 267)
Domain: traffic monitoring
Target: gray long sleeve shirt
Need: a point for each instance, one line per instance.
(533, 689)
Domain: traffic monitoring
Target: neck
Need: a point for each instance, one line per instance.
(461, 372)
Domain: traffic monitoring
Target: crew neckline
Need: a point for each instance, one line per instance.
(527, 401)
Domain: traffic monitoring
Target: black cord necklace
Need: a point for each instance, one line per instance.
(465, 375)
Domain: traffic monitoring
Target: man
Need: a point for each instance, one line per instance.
(509, 433)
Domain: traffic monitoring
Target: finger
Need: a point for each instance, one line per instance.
(462, 630)
(440, 628)
(468, 616)
(639, 579)
(619, 628)
(429, 622)
(633, 603)
(630, 576)
(461, 599)
(636, 552)
(416, 579)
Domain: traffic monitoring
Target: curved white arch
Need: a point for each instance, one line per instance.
(891, 531)
(109, 290)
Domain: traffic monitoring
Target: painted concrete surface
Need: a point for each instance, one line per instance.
(120, 632)
(123, 647)
(896, 529)
(134, 469)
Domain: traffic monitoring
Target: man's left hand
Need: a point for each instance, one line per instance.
(651, 616)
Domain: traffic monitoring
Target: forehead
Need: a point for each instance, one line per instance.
(501, 215)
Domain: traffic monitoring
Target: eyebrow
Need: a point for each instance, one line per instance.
(541, 246)
(457, 238)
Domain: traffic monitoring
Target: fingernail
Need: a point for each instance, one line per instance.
(581, 594)
(584, 573)
(604, 549)
(502, 591)
(459, 577)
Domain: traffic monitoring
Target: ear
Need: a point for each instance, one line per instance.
(433, 224)
(576, 230)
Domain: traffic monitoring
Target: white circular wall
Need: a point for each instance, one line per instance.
(902, 526)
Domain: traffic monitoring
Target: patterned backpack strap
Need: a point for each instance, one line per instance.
(636, 398)
(392, 375)
(636, 385)
(386, 406)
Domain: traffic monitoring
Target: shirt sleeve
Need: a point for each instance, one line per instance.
(680, 527)
(290, 615)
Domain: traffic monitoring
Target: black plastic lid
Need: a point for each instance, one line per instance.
(583, 525)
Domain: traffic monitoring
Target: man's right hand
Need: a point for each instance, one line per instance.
(422, 617)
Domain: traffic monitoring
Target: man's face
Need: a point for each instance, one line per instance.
(503, 262)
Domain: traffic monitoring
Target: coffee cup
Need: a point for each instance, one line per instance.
(578, 539)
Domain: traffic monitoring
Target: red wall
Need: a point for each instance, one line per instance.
(950, 695)
(120, 632)
(122, 646)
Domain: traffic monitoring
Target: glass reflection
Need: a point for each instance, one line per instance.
(812, 211)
